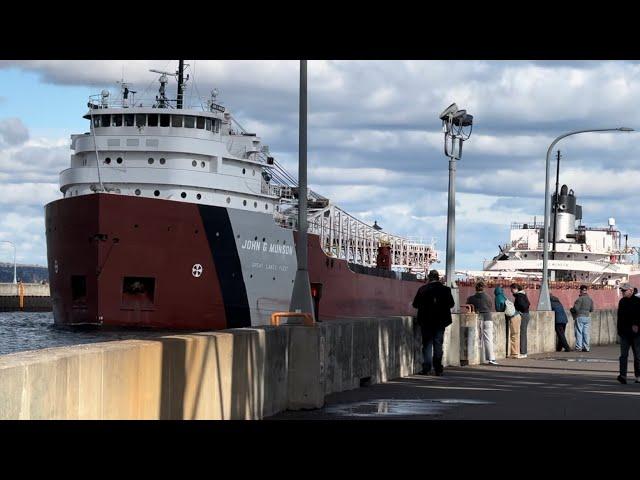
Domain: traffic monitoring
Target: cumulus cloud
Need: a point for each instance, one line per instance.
(12, 132)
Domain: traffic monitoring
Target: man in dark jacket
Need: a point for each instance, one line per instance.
(434, 303)
(628, 330)
(482, 305)
(561, 324)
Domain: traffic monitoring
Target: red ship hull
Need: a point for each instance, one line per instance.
(117, 260)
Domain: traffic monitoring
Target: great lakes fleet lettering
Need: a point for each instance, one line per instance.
(265, 247)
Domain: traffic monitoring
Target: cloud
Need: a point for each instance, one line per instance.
(13, 132)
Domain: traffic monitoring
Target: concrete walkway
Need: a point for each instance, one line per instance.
(551, 386)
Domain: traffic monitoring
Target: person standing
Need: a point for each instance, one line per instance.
(434, 302)
(582, 308)
(560, 324)
(629, 331)
(482, 304)
(521, 302)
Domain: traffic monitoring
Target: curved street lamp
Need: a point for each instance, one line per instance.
(14, 259)
(544, 303)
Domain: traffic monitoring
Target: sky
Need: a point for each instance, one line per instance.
(375, 145)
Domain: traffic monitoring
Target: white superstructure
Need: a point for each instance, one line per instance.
(202, 155)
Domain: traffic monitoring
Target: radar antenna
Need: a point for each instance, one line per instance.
(161, 100)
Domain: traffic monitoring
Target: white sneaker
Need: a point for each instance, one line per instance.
(522, 355)
(493, 362)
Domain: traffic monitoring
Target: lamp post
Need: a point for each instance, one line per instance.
(544, 302)
(14, 259)
(301, 296)
(454, 122)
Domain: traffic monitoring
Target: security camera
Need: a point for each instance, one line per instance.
(450, 110)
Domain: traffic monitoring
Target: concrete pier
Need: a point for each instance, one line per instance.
(35, 297)
(247, 373)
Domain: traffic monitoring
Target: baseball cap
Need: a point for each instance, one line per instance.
(626, 286)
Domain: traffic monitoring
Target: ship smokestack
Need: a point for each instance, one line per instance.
(567, 213)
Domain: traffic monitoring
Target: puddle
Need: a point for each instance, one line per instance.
(376, 408)
(585, 360)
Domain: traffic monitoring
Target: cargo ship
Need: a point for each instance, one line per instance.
(175, 217)
(599, 257)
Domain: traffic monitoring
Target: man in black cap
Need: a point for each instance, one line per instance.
(434, 303)
(628, 330)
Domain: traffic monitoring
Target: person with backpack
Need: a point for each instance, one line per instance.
(482, 304)
(628, 326)
(560, 324)
(521, 303)
(434, 302)
(582, 309)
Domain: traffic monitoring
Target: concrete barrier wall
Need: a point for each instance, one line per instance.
(247, 373)
(30, 289)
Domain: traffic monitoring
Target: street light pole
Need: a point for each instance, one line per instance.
(14, 259)
(544, 303)
(301, 300)
(453, 123)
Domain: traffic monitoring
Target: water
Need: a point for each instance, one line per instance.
(393, 407)
(21, 331)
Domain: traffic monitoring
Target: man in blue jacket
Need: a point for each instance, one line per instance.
(560, 323)
(629, 331)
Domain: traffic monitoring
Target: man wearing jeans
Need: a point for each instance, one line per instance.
(434, 303)
(482, 304)
(582, 309)
(628, 330)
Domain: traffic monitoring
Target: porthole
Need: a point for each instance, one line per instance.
(263, 239)
(251, 276)
(586, 256)
(150, 161)
(107, 160)
(228, 200)
(255, 204)
(255, 239)
(202, 164)
(162, 161)
(254, 172)
(243, 171)
(194, 163)
(156, 193)
(183, 195)
(119, 159)
(525, 254)
(266, 206)
(198, 196)
(244, 202)
(138, 191)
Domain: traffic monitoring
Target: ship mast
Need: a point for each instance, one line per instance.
(180, 83)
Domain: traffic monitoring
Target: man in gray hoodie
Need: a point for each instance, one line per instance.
(582, 309)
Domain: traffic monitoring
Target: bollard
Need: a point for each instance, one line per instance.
(21, 294)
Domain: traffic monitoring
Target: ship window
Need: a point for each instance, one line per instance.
(183, 195)
(243, 171)
(128, 120)
(119, 159)
(202, 164)
(198, 196)
(165, 119)
(138, 191)
(106, 120)
(194, 163)
(79, 289)
(228, 199)
(266, 206)
(107, 160)
(116, 120)
(200, 122)
(244, 202)
(156, 192)
(255, 204)
(141, 120)
(162, 161)
(216, 126)
(96, 121)
(152, 120)
(150, 161)
(176, 120)
(208, 124)
(189, 122)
